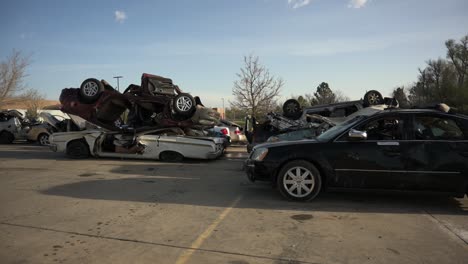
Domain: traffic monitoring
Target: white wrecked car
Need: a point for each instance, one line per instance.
(166, 144)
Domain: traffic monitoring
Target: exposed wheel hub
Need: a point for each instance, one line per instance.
(184, 103)
(90, 89)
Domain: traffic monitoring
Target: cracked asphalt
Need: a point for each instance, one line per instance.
(57, 210)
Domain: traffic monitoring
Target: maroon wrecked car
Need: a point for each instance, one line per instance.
(157, 102)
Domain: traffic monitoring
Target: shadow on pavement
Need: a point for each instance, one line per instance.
(223, 181)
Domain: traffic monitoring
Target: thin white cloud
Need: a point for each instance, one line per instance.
(120, 16)
(357, 3)
(298, 3)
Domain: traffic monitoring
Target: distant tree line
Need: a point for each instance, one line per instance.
(441, 81)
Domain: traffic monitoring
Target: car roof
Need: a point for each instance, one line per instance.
(422, 110)
(326, 106)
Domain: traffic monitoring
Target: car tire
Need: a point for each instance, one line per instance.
(373, 97)
(77, 149)
(43, 139)
(184, 105)
(6, 137)
(299, 172)
(171, 156)
(90, 90)
(292, 109)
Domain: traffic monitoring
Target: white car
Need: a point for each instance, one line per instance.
(166, 144)
(13, 126)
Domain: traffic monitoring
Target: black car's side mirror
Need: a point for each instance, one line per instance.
(356, 135)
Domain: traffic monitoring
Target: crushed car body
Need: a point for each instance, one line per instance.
(312, 121)
(166, 144)
(14, 126)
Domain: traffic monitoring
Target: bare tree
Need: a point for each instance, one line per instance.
(256, 89)
(458, 55)
(12, 74)
(341, 97)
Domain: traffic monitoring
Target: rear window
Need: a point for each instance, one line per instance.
(437, 128)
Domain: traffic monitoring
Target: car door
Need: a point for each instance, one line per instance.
(377, 161)
(437, 155)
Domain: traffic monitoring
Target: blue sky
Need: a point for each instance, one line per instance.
(354, 45)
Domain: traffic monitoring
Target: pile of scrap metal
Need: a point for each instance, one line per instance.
(156, 103)
(155, 120)
(305, 123)
(14, 126)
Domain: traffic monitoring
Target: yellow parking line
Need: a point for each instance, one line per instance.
(201, 238)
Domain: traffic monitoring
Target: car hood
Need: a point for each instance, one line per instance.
(50, 119)
(285, 143)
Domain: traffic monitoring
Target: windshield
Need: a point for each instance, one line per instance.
(338, 129)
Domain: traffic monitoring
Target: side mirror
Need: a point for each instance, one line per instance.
(356, 135)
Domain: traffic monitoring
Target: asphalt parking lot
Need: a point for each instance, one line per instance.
(57, 210)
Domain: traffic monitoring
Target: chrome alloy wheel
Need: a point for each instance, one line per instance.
(90, 89)
(44, 139)
(298, 182)
(184, 103)
(373, 98)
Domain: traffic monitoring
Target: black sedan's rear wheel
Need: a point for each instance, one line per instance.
(90, 90)
(299, 180)
(184, 105)
(78, 149)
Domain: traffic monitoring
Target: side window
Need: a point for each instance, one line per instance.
(385, 128)
(338, 112)
(351, 109)
(436, 128)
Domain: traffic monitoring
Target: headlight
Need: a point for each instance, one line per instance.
(259, 154)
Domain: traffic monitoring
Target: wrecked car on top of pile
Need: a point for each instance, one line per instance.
(157, 102)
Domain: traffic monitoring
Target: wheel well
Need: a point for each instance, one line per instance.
(42, 133)
(170, 151)
(317, 165)
(78, 139)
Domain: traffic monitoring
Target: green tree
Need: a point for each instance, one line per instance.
(400, 94)
(323, 95)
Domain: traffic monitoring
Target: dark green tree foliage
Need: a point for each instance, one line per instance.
(323, 95)
(400, 94)
(303, 101)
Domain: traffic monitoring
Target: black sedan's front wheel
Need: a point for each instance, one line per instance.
(299, 180)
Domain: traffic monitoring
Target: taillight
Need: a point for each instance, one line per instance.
(237, 132)
(224, 131)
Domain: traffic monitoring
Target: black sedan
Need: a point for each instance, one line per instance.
(404, 149)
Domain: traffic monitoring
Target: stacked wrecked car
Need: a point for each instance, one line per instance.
(297, 123)
(154, 120)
